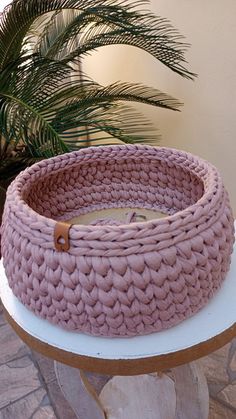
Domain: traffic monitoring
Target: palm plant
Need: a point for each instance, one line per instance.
(48, 105)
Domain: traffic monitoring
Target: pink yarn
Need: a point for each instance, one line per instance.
(125, 279)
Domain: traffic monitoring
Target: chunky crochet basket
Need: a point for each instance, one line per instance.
(126, 279)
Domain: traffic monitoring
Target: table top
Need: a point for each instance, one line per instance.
(208, 330)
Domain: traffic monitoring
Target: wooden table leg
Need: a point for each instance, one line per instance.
(192, 396)
(181, 393)
(79, 392)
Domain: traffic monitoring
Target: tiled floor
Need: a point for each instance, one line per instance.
(29, 389)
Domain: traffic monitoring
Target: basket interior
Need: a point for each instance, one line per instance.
(159, 185)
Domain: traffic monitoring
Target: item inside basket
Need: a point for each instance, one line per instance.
(116, 216)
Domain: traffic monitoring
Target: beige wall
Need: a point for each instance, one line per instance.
(207, 124)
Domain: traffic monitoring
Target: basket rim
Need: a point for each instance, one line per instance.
(190, 216)
(37, 166)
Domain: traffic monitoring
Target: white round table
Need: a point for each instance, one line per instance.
(208, 330)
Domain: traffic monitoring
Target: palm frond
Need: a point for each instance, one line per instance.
(24, 13)
(84, 92)
(132, 92)
(51, 114)
(62, 34)
(164, 49)
(117, 120)
(47, 106)
(53, 41)
(107, 25)
(22, 102)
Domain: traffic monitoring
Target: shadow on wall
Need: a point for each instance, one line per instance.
(206, 125)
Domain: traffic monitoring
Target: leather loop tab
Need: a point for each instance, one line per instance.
(61, 237)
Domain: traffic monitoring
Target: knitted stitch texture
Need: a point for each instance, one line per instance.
(118, 279)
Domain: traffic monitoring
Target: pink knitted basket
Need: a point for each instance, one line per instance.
(126, 279)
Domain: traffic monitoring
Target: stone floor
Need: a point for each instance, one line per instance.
(29, 389)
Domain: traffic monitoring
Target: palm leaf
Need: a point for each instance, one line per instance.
(51, 108)
(106, 25)
(24, 13)
(101, 116)
(57, 38)
(49, 113)
(22, 103)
